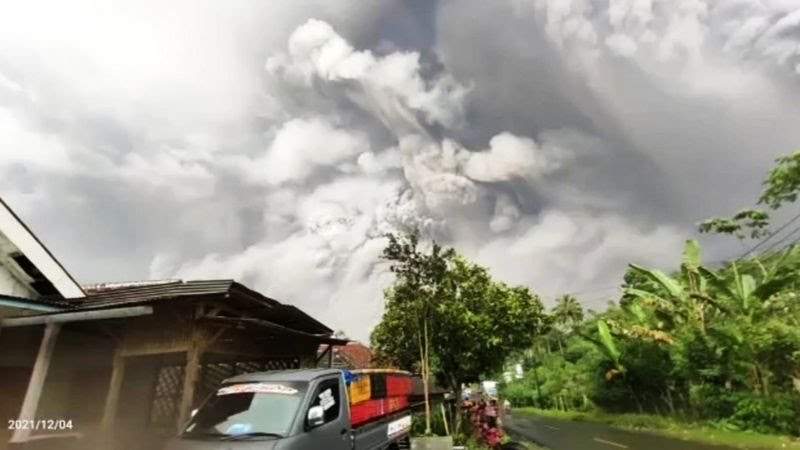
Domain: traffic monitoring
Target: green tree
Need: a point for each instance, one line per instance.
(482, 322)
(716, 344)
(565, 315)
(464, 323)
(732, 328)
(568, 311)
(781, 186)
(411, 303)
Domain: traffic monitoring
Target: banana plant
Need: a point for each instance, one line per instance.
(746, 294)
(677, 300)
(723, 306)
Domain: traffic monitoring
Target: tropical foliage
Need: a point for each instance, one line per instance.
(720, 345)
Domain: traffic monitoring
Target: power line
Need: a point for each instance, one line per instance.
(790, 244)
(770, 236)
(782, 240)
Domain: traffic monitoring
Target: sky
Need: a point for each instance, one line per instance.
(553, 141)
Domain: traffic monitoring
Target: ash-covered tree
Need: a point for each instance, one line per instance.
(447, 316)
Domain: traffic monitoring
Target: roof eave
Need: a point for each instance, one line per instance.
(19, 234)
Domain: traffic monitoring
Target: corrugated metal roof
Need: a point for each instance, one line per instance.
(106, 295)
(99, 287)
(147, 293)
(259, 322)
(292, 316)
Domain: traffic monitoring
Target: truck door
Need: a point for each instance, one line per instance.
(334, 434)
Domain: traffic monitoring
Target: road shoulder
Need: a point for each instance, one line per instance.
(669, 429)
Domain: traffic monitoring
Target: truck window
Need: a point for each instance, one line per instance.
(257, 407)
(327, 396)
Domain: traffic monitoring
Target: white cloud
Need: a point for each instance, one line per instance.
(302, 146)
(568, 251)
(508, 157)
(376, 163)
(391, 85)
(22, 145)
(621, 44)
(168, 172)
(328, 263)
(506, 214)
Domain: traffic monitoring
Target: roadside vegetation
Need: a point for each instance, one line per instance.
(713, 345)
(671, 427)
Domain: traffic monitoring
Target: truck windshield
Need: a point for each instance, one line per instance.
(248, 409)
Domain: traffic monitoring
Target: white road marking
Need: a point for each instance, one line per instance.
(615, 444)
(552, 428)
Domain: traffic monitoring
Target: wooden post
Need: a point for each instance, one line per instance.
(191, 377)
(36, 384)
(316, 361)
(114, 389)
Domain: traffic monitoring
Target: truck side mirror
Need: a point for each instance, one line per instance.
(316, 416)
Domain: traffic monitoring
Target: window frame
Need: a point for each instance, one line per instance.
(335, 385)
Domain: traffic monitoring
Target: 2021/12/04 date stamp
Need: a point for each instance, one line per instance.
(40, 424)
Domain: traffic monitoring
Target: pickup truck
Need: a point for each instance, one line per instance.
(287, 410)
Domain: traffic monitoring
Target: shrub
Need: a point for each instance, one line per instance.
(767, 414)
(519, 394)
(713, 402)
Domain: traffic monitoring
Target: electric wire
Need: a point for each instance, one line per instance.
(782, 240)
(770, 236)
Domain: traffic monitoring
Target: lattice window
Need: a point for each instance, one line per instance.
(167, 396)
(215, 373)
(169, 384)
(212, 377)
(281, 364)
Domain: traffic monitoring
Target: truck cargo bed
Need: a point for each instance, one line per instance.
(377, 434)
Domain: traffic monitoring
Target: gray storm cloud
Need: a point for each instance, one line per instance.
(553, 141)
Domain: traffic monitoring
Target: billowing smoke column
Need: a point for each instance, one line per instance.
(554, 141)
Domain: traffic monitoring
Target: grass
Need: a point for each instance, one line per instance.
(672, 427)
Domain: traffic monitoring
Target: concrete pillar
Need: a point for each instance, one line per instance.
(36, 384)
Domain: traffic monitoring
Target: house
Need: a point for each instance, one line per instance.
(354, 355)
(30, 277)
(29, 273)
(127, 362)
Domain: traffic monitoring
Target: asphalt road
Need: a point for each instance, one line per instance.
(568, 435)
